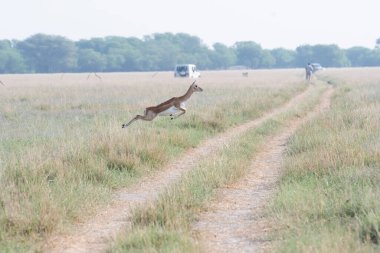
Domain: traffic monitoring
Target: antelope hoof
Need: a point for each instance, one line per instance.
(123, 126)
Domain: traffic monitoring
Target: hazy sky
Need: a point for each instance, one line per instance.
(271, 23)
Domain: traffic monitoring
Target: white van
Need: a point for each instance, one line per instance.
(186, 70)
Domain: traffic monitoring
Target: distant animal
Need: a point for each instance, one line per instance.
(173, 107)
(2, 83)
(245, 74)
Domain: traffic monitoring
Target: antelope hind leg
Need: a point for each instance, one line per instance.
(147, 117)
(130, 122)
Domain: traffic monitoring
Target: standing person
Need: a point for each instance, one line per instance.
(309, 71)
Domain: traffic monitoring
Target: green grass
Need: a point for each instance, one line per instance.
(63, 152)
(165, 226)
(330, 203)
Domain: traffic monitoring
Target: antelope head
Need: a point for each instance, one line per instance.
(195, 87)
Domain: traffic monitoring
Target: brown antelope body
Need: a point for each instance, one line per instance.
(173, 107)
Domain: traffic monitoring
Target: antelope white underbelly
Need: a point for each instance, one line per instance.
(172, 110)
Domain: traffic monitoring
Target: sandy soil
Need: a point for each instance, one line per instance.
(236, 220)
(97, 233)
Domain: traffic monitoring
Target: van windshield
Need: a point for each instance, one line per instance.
(181, 68)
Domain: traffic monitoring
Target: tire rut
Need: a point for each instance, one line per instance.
(98, 232)
(235, 221)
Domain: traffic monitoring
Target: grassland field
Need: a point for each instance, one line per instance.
(63, 152)
(328, 197)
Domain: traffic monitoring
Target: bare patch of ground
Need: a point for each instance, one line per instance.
(235, 221)
(98, 232)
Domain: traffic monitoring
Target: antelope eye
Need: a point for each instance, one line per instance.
(196, 86)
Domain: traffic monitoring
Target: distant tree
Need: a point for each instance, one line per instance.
(120, 53)
(188, 43)
(96, 44)
(191, 50)
(304, 54)
(203, 58)
(267, 59)
(124, 59)
(121, 56)
(326, 55)
(133, 54)
(330, 56)
(161, 51)
(91, 61)
(359, 56)
(11, 61)
(222, 56)
(248, 53)
(284, 58)
(374, 58)
(48, 53)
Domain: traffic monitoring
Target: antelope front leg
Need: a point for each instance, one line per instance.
(183, 111)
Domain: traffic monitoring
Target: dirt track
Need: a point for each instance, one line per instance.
(235, 221)
(97, 233)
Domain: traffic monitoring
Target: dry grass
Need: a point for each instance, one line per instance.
(63, 151)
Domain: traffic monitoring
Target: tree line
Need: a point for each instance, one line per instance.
(42, 53)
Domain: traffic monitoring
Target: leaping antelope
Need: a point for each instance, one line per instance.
(174, 107)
